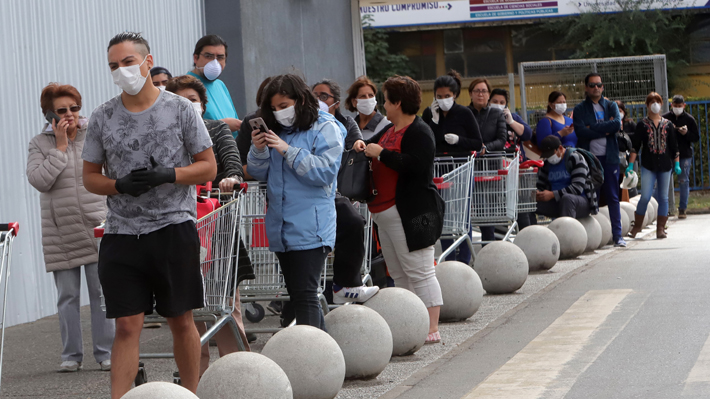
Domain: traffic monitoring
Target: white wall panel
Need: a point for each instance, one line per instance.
(65, 41)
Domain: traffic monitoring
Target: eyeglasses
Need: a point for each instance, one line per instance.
(479, 92)
(593, 85)
(210, 56)
(63, 110)
(323, 96)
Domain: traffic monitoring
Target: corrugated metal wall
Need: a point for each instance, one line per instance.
(65, 41)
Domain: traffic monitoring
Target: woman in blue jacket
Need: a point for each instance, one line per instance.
(555, 122)
(299, 159)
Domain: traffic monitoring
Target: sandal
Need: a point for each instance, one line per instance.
(433, 338)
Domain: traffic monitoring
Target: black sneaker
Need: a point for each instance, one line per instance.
(681, 214)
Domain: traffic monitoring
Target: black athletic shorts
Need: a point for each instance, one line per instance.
(164, 264)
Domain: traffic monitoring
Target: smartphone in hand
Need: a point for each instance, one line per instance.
(258, 126)
(51, 116)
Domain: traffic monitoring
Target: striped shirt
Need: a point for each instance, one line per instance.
(578, 168)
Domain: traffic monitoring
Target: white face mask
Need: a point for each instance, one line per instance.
(162, 88)
(366, 106)
(323, 106)
(129, 78)
(561, 108)
(198, 108)
(498, 106)
(212, 70)
(554, 159)
(286, 116)
(655, 108)
(445, 104)
(678, 110)
(621, 115)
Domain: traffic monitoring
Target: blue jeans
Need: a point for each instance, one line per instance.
(684, 182)
(610, 189)
(648, 179)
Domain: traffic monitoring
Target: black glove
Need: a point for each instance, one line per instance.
(129, 184)
(156, 176)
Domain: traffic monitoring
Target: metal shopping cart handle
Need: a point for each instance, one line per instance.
(13, 227)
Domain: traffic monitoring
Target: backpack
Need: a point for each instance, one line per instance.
(596, 171)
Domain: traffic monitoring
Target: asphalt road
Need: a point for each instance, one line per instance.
(635, 324)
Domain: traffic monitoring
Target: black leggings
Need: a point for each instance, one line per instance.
(302, 274)
(349, 244)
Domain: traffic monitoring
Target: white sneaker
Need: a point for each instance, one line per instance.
(105, 365)
(354, 294)
(69, 366)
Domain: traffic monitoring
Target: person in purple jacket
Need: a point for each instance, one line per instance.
(555, 122)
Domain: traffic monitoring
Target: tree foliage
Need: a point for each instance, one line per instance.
(381, 63)
(642, 27)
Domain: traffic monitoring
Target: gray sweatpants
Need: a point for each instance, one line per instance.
(102, 329)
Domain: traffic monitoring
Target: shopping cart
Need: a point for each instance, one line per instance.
(527, 186)
(269, 284)
(218, 265)
(8, 232)
(453, 177)
(494, 197)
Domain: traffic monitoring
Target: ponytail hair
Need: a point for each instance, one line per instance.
(452, 80)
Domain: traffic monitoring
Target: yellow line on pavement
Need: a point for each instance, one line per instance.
(532, 370)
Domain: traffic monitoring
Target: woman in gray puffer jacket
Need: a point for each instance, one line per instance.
(69, 215)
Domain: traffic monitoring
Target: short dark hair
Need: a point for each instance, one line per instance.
(293, 87)
(452, 80)
(678, 99)
(210, 40)
(501, 92)
(156, 70)
(134, 37)
(332, 85)
(188, 82)
(622, 108)
(355, 88)
(404, 90)
(589, 76)
(553, 97)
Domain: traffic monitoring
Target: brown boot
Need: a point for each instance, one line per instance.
(661, 227)
(638, 225)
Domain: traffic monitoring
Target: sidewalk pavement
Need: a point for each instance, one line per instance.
(32, 350)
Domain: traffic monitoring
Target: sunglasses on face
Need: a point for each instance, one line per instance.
(593, 85)
(63, 110)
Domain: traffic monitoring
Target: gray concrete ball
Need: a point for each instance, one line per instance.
(594, 233)
(162, 390)
(572, 236)
(502, 267)
(246, 375)
(364, 337)
(540, 245)
(461, 289)
(311, 359)
(605, 224)
(407, 317)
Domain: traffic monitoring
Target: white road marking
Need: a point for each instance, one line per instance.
(699, 378)
(536, 367)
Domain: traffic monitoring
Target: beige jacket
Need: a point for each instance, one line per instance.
(69, 212)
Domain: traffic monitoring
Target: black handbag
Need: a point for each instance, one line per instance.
(355, 177)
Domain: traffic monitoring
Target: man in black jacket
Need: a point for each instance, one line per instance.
(686, 130)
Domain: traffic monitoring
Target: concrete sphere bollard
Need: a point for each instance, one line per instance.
(228, 377)
(605, 211)
(540, 245)
(648, 218)
(605, 224)
(594, 233)
(364, 337)
(311, 359)
(461, 289)
(407, 317)
(572, 236)
(654, 214)
(625, 223)
(629, 209)
(163, 390)
(502, 266)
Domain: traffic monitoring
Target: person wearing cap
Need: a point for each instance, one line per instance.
(160, 77)
(561, 181)
(210, 59)
(686, 129)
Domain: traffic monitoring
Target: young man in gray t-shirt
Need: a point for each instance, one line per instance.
(146, 140)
